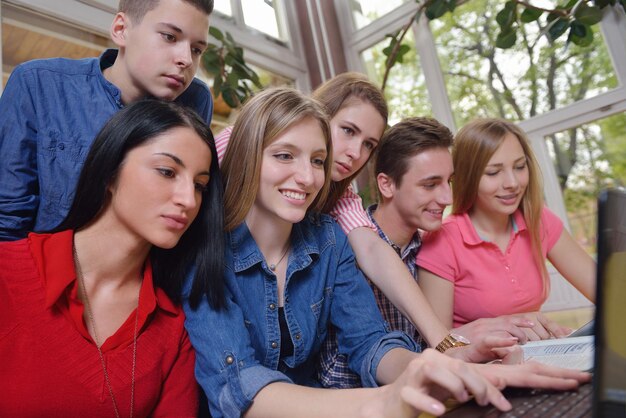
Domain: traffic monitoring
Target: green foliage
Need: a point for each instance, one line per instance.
(233, 78)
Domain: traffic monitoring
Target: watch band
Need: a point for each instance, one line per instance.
(451, 340)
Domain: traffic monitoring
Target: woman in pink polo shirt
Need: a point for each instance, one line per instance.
(488, 259)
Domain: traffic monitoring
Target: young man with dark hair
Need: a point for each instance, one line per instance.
(51, 109)
(413, 173)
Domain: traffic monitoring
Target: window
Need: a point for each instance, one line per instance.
(588, 158)
(529, 79)
(405, 89)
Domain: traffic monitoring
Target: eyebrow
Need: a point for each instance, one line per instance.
(293, 147)
(180, 31)
(502, 165)
(180, 162)
(431, 178)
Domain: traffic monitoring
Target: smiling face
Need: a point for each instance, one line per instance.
(161, 52)
(504, 180)
(158, 191)
(356, 130)
(292, 173)
(424, 190)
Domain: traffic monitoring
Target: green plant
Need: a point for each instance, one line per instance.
(576, 18)
(233, 78)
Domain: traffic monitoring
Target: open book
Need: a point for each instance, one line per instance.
(570, 353)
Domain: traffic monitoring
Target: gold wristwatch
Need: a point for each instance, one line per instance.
(452, 340)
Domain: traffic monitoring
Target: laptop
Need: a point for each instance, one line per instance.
(605, 397)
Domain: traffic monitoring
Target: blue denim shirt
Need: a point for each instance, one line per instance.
(50, 113)
(238, 349)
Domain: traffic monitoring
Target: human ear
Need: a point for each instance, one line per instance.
(119, 27)
(386, 185)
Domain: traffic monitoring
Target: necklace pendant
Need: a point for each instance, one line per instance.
(272, 267)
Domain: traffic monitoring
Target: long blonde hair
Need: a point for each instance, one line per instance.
(340, 92)
(262, 119)
(473, 147)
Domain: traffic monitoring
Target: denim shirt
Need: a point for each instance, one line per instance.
(50, 113)
(238, 349)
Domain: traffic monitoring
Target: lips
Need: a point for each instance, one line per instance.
(176, 80)
(344, 168)
(176, 221)
(508, 199)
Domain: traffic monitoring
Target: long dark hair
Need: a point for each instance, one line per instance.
(202, 245)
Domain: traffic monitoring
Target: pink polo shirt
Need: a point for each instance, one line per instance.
(348, 212)
(487, 282)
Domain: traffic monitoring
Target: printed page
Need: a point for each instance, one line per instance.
(570, 353)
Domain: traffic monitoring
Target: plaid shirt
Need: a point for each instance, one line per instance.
(333, 370)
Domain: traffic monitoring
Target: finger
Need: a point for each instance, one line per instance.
(483, 390)
(420, 401)
(510, 355)
(541, 376)
(553, 327)
(493, 342)
(531, 334)
(443, 377)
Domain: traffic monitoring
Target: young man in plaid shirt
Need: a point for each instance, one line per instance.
(413, 173)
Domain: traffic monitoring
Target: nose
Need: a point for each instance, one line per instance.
(183, 55)
(185, 194)
(445, 196)
(353, 150)
(510, 180)
(304, 174)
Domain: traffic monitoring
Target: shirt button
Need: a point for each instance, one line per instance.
(298, 336)
(274, 344)
(272, 306)
(230, 360)
(61, 146)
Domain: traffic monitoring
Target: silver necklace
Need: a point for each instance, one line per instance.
(83, 291)
(274, 266)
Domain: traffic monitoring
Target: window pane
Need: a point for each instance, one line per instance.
(262, 15)
(366, 11)
(587, 159)
(405, 91)
(270, 79)
(223, 6)
(518, 83)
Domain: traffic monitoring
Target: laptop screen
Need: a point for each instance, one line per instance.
(610, 373)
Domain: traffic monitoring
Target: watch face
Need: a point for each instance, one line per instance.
(460, 339)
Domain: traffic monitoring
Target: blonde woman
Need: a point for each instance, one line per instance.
(488, 260)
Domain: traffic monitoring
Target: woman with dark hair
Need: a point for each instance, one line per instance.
(89, 324)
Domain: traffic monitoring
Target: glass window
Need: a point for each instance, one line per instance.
(263, 15)
(223, 6)
(588, 158)
(529, 79)
(365, 12)
(405, 91)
